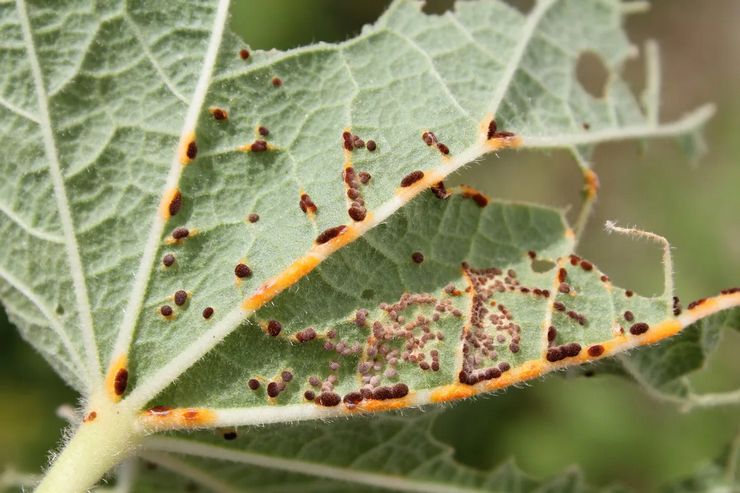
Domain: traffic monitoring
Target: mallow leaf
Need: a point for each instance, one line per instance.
(168, 195)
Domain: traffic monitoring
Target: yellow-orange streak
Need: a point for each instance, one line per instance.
(110, 378)
(385, 405)
(452, 392)
(178, 418)
(591, 183)
(285, 279)
(182, 152)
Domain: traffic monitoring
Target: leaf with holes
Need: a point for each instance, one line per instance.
(170, 195)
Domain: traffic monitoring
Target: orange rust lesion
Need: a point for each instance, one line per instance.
(170, 197)
(113, 375)
(591, 183)
(90, 417)
(475, 195)
(292, 274)
(430, 178)
(187, 149)
(164, 418)
(452, 392)
(382, 405)
(659, 332)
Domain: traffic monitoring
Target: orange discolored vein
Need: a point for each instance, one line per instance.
(116, 379)
(285, 279)
(164, 418)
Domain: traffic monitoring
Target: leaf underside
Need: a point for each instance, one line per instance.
(124, 123)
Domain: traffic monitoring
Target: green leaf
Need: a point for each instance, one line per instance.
(132, 135)
(390, 453)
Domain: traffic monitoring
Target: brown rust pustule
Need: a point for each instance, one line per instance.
(412, 178)
(120, 382)
(330, 234)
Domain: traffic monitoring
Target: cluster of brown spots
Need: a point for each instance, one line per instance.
(564, 287)
(586, 265)
(417, 257)
(576, 317)
(399, 341)
(629, 316)
(168, 260)
(277, 81)
(263, 131)
(309, 395)
(639, 328)
(552, 334)
(305, 335)
(562, 275)
(207, 312)
(439, 190)
(166, 311)
(244, 54)
(274, 327)
(557, 305)
(180, 233)
(558, 353)
(218, 113)
(494, 133)
(351, 142)
(431, 140)
(490, 332)
(120, 381)
(253, 384)
(253, 218)
(352, 180)
(175, 203)
(330, 234)
(307, 205)
(274, 388)
(242, 270)
(730, 291)
(412, 178)
(180, 297)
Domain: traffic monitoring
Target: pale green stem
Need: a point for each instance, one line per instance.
(96, 447)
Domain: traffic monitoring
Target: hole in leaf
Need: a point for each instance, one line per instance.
(59, 310)
(592, 74)
(539, 265)
(523, 6)
(368, 294)
(437, 7)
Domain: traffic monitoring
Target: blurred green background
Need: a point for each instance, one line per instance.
(608, 426)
